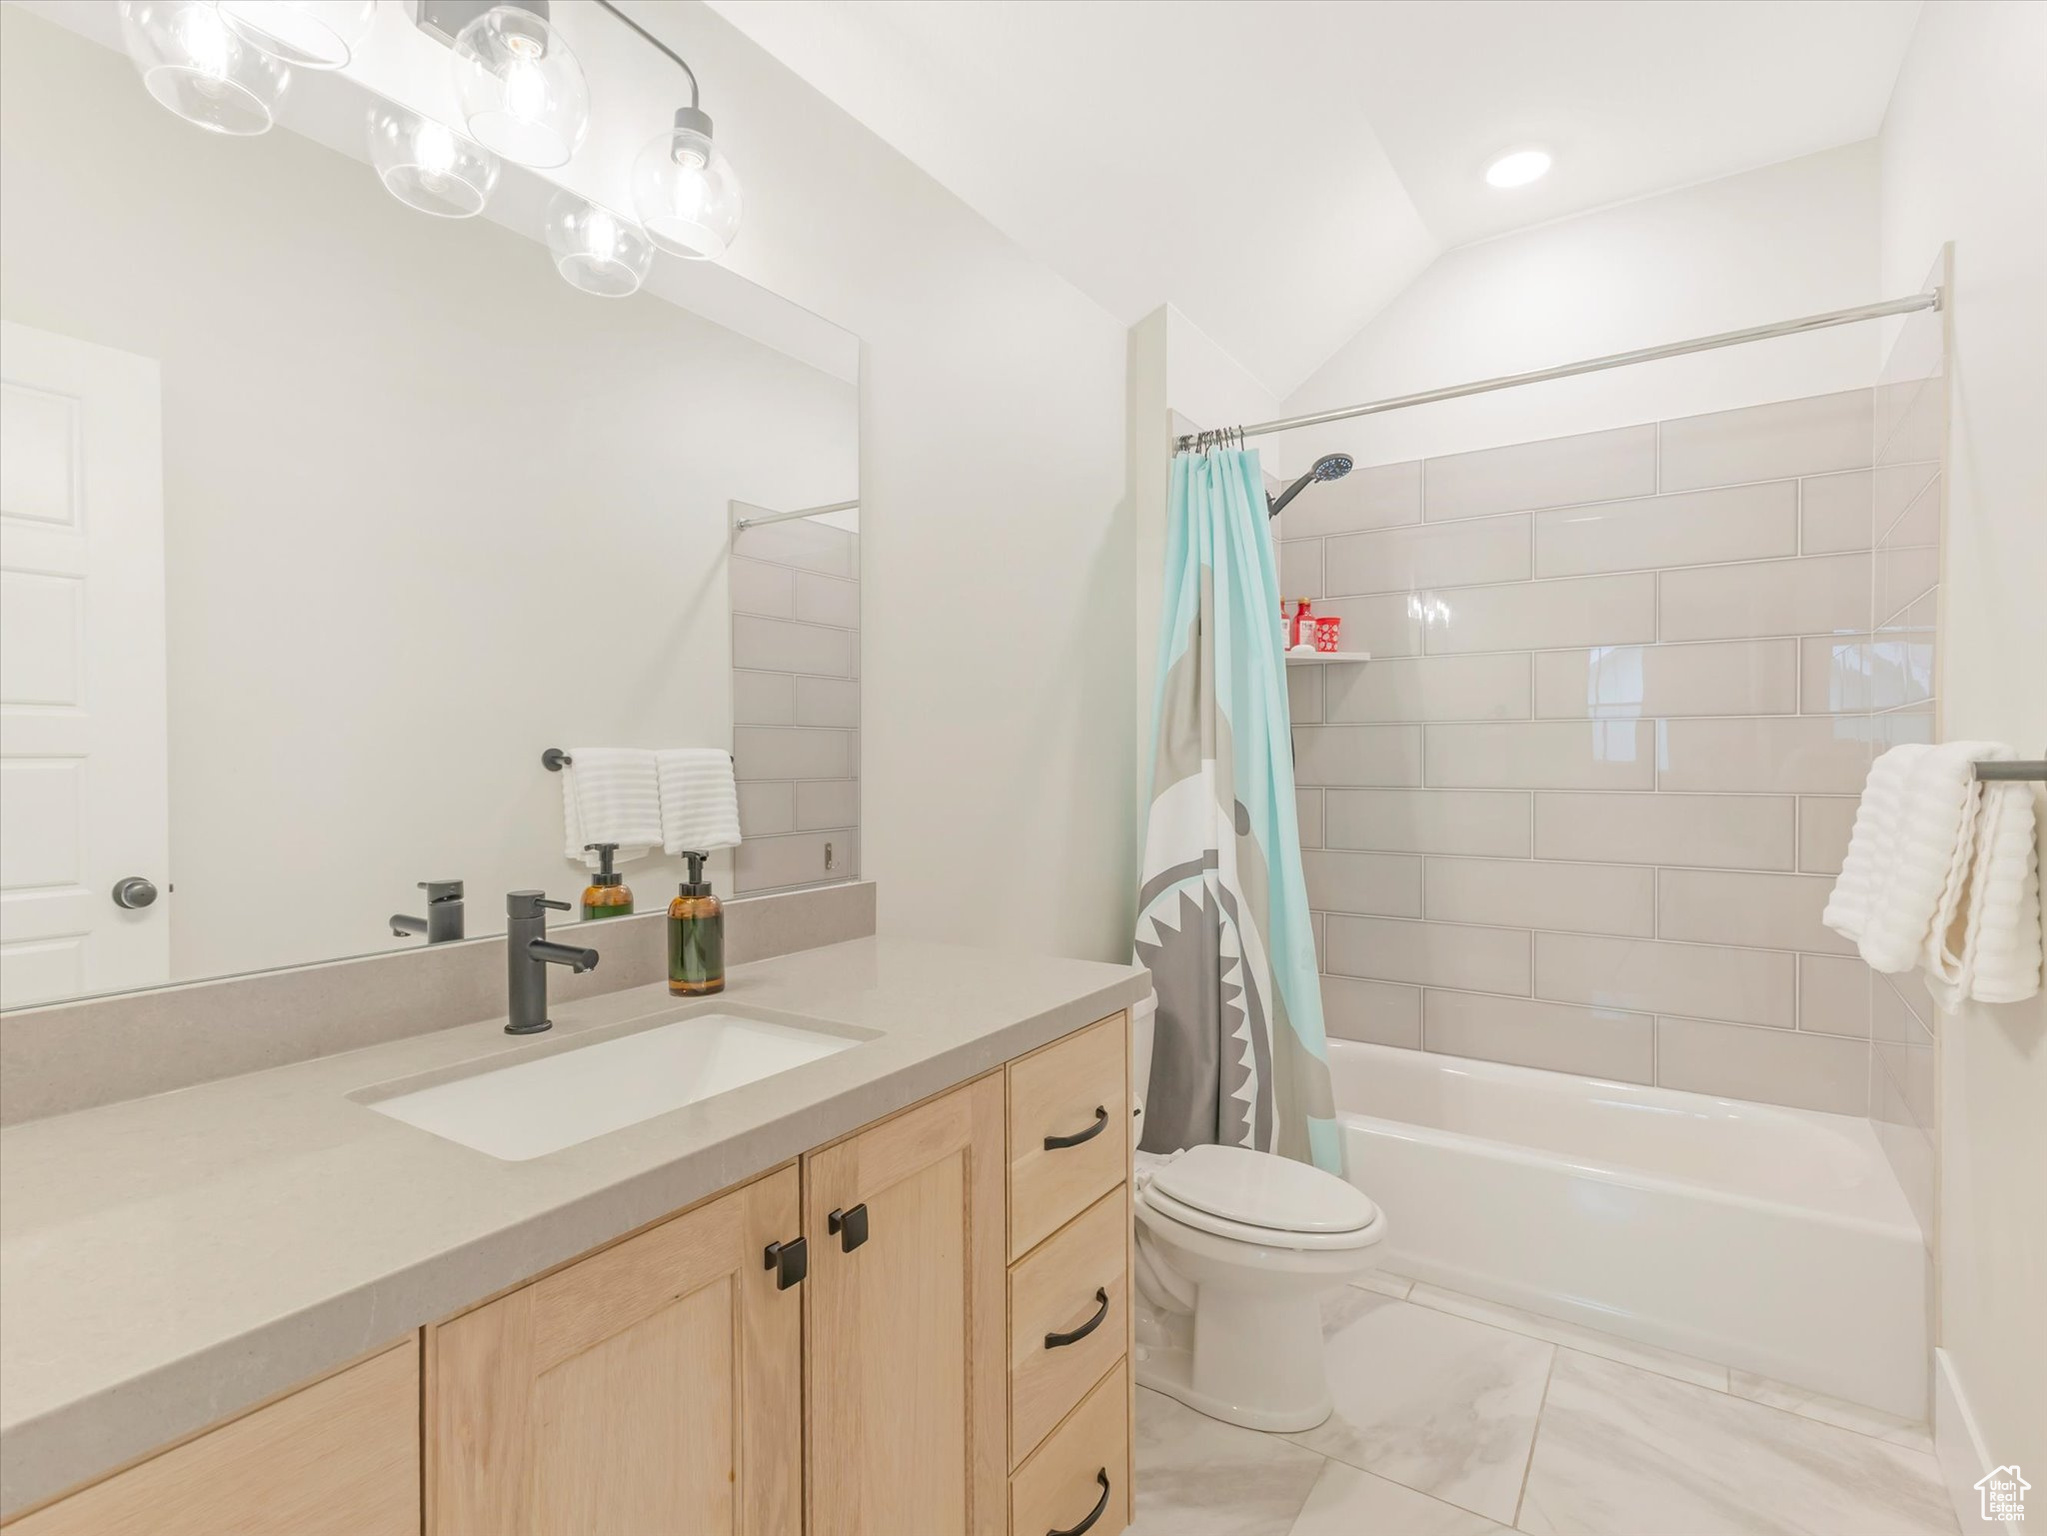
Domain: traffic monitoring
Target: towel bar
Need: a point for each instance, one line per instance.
(554, 760)
(2036, 769)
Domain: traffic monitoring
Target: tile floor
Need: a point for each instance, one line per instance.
(1459, 1417)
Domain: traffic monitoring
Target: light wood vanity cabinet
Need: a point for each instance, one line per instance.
(918, 1330)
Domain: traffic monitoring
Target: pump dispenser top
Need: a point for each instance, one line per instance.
(607, 894)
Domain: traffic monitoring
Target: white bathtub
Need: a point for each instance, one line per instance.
(1772, 1240)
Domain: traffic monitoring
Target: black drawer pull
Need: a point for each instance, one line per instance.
(1061, 1340)
(790, 1261)
(851, 1226)
(1054, 1143)
(1094, 1514)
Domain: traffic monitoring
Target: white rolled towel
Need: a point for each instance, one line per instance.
(699, 800)
(611, 795)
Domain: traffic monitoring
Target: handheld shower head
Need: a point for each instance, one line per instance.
(1331, 466)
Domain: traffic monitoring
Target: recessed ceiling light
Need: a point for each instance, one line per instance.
(1517, 168)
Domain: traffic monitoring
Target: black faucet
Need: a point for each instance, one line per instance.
(443, 920)
(528, 954)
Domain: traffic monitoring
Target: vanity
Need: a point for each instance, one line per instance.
(884, 1290)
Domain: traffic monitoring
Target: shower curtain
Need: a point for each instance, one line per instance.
(1222, 907)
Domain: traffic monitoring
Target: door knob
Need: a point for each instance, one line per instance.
(133, 892)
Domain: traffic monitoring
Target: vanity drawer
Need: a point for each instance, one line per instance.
(1073, 1093)
(1075, 1282)
(1082, 1466)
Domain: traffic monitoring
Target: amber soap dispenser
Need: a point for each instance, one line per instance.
(607, 894)
(696, 936)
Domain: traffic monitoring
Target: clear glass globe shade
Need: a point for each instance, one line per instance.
(523, 94)
(311, 34)
(595, 249)
(193, 62)
(687, 194)
(427, 165)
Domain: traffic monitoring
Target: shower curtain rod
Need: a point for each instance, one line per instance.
(1906, 306)
(740, 525)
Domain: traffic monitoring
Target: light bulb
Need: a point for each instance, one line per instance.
(312, 34)
(523, 93)
(596, 250)
(685, 190)
(427, 165)
(194, 63)
(1518, 168)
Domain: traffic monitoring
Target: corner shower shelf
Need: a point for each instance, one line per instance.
(1302, 656)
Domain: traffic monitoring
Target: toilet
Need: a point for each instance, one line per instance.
(1235, 1251)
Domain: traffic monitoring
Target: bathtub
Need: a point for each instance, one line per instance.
(1772, 1240)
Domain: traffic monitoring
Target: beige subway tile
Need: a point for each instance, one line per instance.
(1901, 726)
(803, 858)
(1811, 436)
(1366, 756)
(1824, 823)
(777, 645)
(1910, 989)
(827, 600)
(1768, 1066)
(1377, 1011)
(1834, 512)
(1833, 674)
(1901, 661)
(1833, 995)
(1721, 906)
(1594, 1042)
(1429, 555)
(810, 546)
(1429, 954)
(1308, 815)
(1523, 616)
(1555, 472)
(1473, 821)
(1895, 487)
(1742, 522)
(1892, 1019)
(1754, 986)
(1304, 688)
(763, 698)
(1381, 884)
(1379, 626)
(1734, 677)
(1813, 754)
(757, 587)
(766, 808)
(1921, 430)
(1320, 922)
(833, 701)
(761, 752)
(1904, 574)
(1484, 687)
(1519, 893)
(1816, 595)
(1300, 568)
(1548, 754)
(1719, 831)
(822, 803)
(1370, 496)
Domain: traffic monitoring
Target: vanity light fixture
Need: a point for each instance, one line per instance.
(427, 165)
(193, 62)
(309, 34)
(595, 249)
(1517, 168)
(522, 91)
(684, 188)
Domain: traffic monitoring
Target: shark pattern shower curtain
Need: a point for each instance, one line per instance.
(1222, 907)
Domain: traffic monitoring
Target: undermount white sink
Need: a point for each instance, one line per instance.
(539, 1106)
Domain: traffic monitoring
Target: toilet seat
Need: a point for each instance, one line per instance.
(1166, 1207)
(1262, 1199)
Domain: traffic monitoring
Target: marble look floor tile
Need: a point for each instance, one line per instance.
(1887, 1427)
(1341, 1308)
(1197, 1476)
(1623, 1451)
(1589, 1341)
(1437, 1403)
(1347, 1502)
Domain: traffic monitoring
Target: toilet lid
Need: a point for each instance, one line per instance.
(1262, 1189)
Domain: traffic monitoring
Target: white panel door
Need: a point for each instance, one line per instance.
(84, 799)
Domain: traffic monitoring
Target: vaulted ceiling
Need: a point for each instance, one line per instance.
(1278, 171)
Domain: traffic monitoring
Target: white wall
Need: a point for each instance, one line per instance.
(1791, 239)
(428, 509)
(1964, 158)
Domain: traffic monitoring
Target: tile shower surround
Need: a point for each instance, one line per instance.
(1583, 808)
(796, 704)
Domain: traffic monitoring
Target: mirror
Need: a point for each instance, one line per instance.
(322, 518)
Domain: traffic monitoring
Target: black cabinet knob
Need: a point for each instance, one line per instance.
(790, 1261)
(850, 1226)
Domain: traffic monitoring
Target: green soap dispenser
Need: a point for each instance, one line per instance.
(696, 936)
(607, 894)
